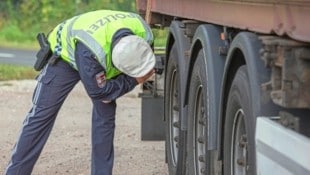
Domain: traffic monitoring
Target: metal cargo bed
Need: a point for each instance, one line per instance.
(281, 17)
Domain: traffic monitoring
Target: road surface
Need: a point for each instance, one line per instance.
(17, 56)
(67, 151)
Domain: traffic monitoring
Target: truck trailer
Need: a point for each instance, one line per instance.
(234, 97)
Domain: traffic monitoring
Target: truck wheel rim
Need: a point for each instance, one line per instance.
(174, 121)
(199, 133)
(239, 145)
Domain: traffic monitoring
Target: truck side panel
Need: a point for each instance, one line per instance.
(271, 154)
(273, 16)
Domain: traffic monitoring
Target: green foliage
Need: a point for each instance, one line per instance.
(13, 72)
(12, 32)
(160, 37)
(21, 20)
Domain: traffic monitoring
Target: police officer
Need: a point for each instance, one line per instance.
(109, 51)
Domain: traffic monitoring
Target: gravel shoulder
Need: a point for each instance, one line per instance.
(67, 151)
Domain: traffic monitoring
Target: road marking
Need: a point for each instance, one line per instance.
(7, 55)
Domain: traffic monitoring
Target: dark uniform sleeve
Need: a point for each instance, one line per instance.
(93, 77)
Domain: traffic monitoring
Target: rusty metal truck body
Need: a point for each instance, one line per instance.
(236, 94)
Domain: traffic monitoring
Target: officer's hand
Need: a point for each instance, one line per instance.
(145, 77)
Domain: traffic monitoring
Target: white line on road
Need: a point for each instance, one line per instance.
(7, 55)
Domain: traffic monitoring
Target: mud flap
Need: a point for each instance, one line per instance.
(152, 122)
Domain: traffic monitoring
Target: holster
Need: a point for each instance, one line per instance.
(44, 54)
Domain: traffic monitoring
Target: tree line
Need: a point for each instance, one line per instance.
(21, 20)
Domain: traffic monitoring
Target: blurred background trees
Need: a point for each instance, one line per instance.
(21, 20)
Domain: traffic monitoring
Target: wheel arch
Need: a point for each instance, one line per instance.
(207, 37)
(176, 36)
(245, 50)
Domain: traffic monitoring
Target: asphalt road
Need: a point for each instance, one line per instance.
(17, 56)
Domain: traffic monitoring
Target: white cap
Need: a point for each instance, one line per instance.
(133, 56)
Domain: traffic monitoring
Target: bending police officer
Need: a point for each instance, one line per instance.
(109, 51)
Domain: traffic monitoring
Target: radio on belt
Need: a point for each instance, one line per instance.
(44, 53)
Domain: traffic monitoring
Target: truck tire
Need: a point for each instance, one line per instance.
(172, 107)
(239, 145)
(197, 158)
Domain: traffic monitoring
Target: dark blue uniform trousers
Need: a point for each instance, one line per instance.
(54, 84)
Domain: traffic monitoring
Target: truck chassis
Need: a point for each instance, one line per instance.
(229, 64)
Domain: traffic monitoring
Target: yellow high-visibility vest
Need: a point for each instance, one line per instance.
(95, 30)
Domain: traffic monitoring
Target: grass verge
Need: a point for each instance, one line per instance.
(27, 45)
(13, 72)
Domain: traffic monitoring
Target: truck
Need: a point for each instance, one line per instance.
(234, 97)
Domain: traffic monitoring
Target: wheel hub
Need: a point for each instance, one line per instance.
(200, 134)
(239, 148)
